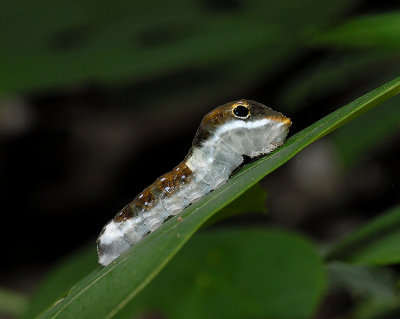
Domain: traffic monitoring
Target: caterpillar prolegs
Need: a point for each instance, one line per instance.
(225, 135)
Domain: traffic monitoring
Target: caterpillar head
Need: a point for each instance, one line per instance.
(254, 126)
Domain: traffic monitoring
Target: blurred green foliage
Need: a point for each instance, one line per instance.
(11, 302)
(370, 31)
(252, 201)
(64, 43)
(368, 132)
(376, 244)
(364, 281)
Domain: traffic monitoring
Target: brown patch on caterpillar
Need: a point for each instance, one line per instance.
(145, 200)
(167, 185)
(171, 182)
(183, 173)
(213, 119)
(221, 114)
(202, 134)
(126, 213)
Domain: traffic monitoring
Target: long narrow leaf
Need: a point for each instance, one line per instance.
(104, 292)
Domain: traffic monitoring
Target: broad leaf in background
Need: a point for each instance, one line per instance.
(131, 272)
(76, 266)
(377, 243)
(236, 273)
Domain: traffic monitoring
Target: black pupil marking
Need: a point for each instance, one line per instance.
(241, 111)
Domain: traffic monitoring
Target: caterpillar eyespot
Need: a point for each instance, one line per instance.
(241, 111)
(225, 135)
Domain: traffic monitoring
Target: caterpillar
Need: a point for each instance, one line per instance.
(226, 134)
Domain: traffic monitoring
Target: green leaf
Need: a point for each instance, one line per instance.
(130, 273)
(377, 243)
(257, 272)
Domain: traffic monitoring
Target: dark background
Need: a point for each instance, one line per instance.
(85, 125)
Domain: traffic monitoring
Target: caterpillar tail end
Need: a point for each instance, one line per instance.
(111, 243)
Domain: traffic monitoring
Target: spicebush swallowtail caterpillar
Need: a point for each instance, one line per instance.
(225, 135)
